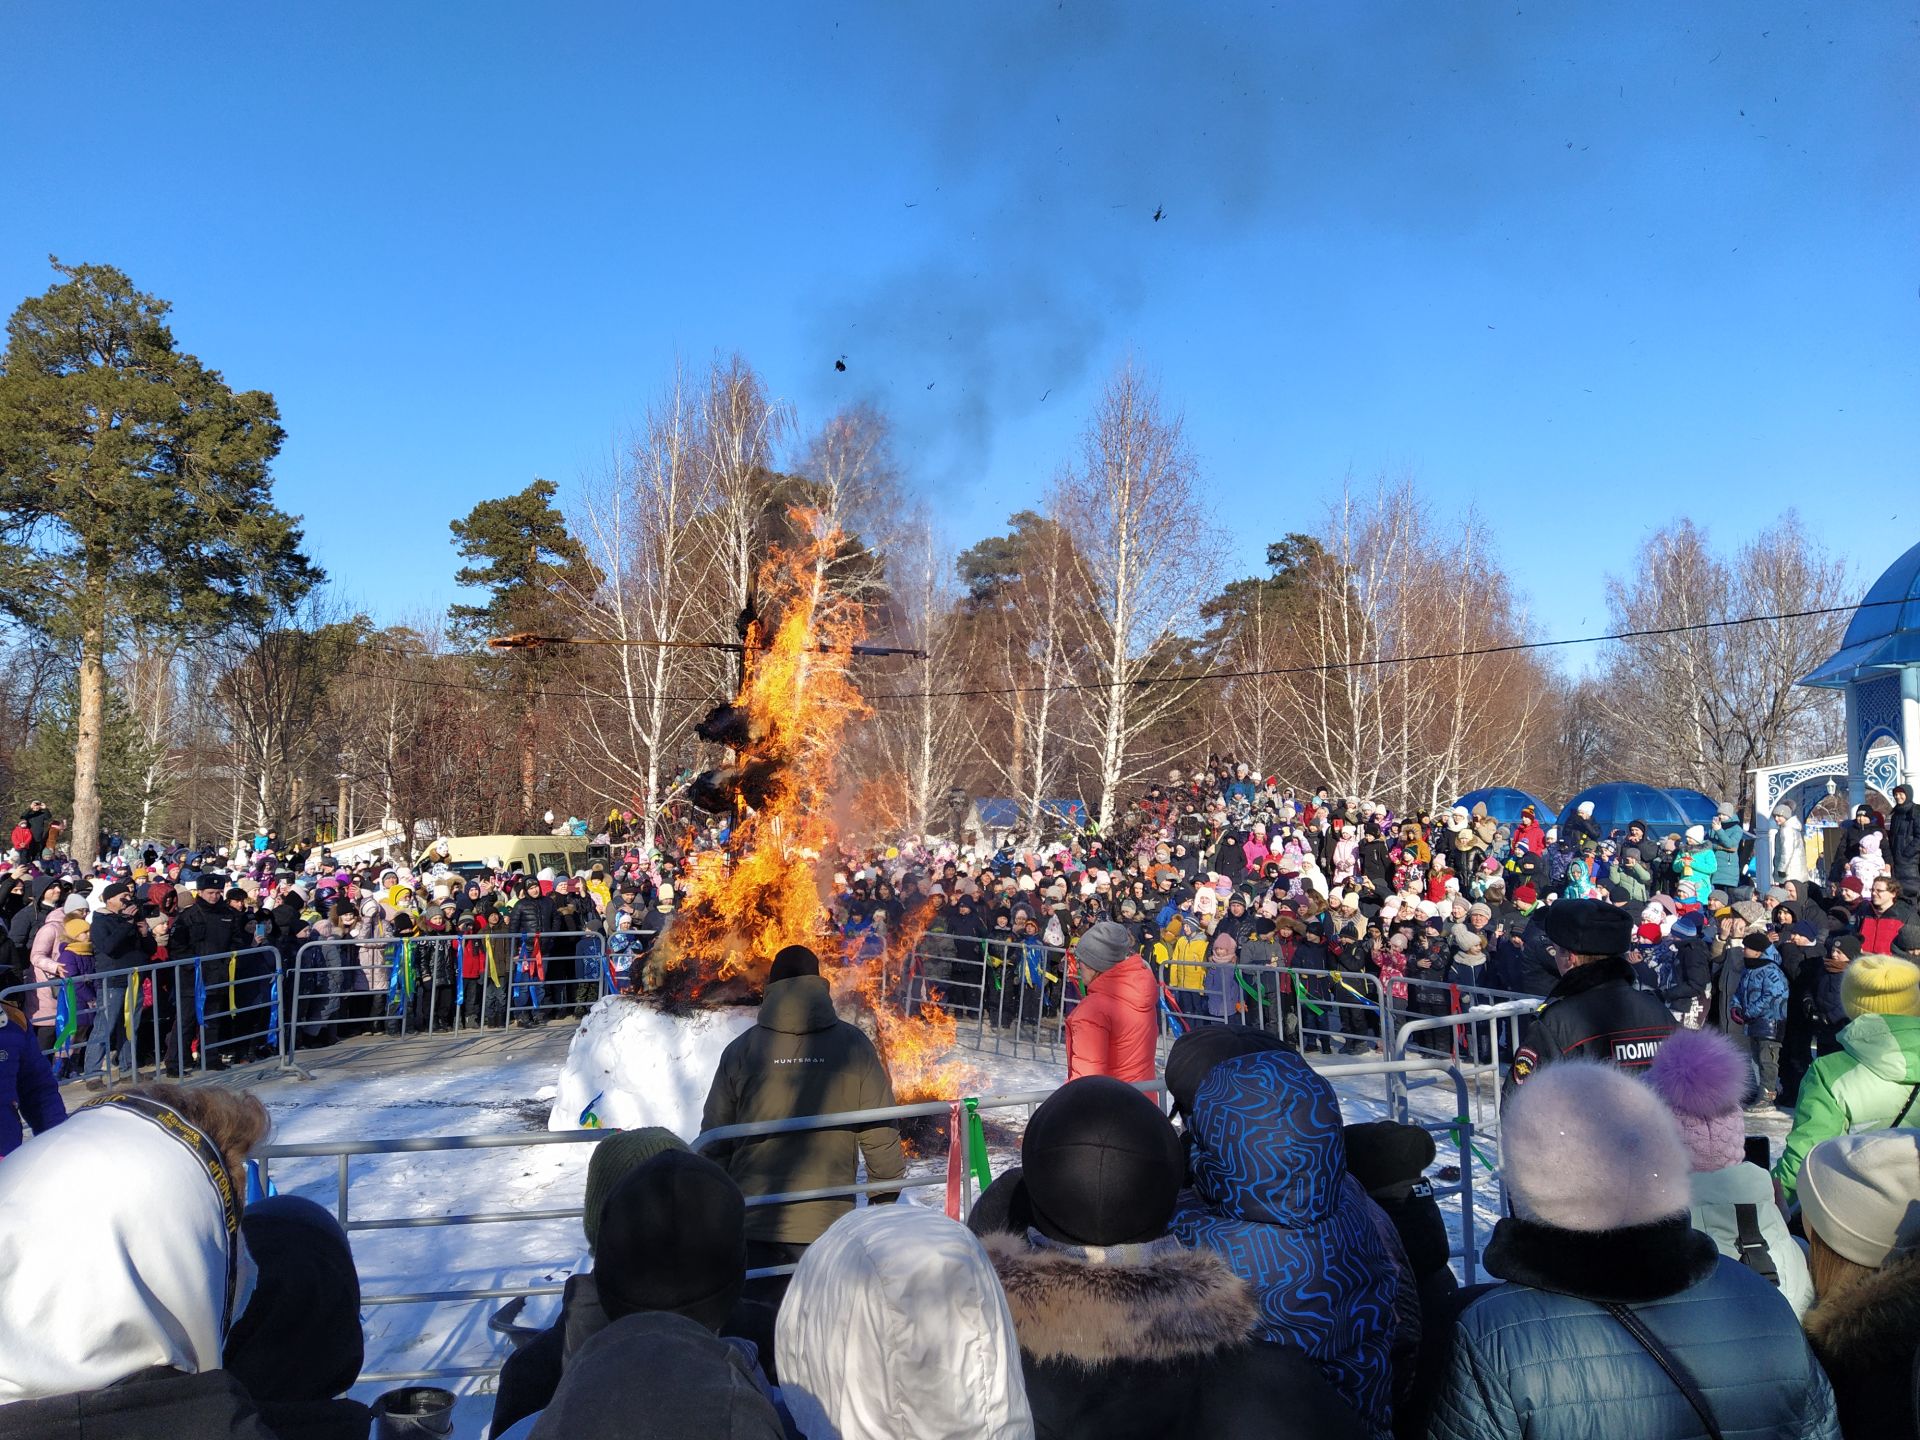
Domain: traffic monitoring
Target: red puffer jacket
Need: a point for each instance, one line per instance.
(1113, 1031)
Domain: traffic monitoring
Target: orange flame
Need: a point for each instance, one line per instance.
(764, 889)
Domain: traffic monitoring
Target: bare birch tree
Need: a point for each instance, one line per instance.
(1702, 705)
(148, 674)
(647, 527)
(1147, 556)
(1393, 584)
(921, 737)
(741, 428)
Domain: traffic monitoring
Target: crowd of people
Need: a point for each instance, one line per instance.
(1249, 1266)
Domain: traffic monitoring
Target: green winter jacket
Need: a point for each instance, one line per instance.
(801, 1058)
(1635, 881)
(1864, 1086)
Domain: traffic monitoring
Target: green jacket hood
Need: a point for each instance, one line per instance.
(799, 1006)
(1888, 1045)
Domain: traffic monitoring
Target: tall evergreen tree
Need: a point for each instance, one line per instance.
(135, 489)
(526, 560)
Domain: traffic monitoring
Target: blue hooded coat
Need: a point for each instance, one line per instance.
(1272, 1197)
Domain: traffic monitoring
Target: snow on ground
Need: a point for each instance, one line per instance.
(634, 1065)
(496, 1082)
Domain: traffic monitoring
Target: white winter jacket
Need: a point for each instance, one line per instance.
(895, 1328)
(113, 1257)
(1716, 1192)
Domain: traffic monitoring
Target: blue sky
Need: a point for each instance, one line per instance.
(1586, 270)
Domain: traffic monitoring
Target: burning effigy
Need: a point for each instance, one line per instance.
(646, 1057)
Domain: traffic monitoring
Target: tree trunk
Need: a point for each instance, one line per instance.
(84, 836)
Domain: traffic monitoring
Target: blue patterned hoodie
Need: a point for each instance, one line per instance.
(1271, 1195)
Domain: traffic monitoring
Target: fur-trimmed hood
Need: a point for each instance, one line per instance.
(1872, 1326)
(1180, 1305)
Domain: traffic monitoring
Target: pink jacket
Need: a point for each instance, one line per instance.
(44, 957)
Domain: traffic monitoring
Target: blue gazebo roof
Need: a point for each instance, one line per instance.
(1616, 803)
(1884, 633)
(1503, 803)
(1699, 809)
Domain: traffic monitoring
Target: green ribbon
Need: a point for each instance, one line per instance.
(977, 1145)
(1454, 1131)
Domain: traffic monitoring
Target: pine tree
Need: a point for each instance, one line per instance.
(135, 490)
(527, 561)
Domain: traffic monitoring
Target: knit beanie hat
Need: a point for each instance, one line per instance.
(1861, 1194)
(1588, 1147)
(1192, 1057)
(1704, 1078)
(1388, 1158)
(1103, 946)
(1880, 985)
(614, 1158)
(673, 1237)
(1102, 1165)
(792, 961)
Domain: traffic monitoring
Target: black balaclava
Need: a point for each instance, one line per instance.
(299, 1339)
(672, 1237)
(1101, 1165)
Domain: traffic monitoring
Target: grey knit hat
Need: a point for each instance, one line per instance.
(1103, 946)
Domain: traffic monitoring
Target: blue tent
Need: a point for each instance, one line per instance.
(1699, 809)
(1503, 803)
(1619, 801)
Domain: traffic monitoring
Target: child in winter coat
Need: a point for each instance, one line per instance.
(1697, 862)
(1868, 865)
(1704, 1079)
(1761, 1008)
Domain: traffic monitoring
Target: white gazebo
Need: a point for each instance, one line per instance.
(1877, 668)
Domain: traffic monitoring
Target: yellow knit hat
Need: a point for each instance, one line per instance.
(1880, 985)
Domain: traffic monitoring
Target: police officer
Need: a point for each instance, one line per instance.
(1593, 1012)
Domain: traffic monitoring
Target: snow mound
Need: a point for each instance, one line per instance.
(636, 1065)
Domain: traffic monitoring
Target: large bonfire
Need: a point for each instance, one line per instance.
(765, 887)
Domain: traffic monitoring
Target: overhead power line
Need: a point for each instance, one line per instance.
(1205, 676)
(1195, 678)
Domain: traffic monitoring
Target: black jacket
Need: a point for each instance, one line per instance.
(686, 1380)
(1903, 844)
(156, 1404)
(1594, 1013)
(117, 942)
(203, 929)
(298, 1346)
(533, 1372)
(1153, 1348)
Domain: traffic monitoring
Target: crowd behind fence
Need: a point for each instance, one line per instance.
(177, 1017)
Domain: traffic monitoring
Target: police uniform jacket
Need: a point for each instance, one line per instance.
(1593, 1013)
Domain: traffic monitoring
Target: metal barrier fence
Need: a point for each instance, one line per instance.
(417, 984)
(1458, 1132)
(1481, 1028)
(345, 1151)
(1016, 997)
(226, 1005)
